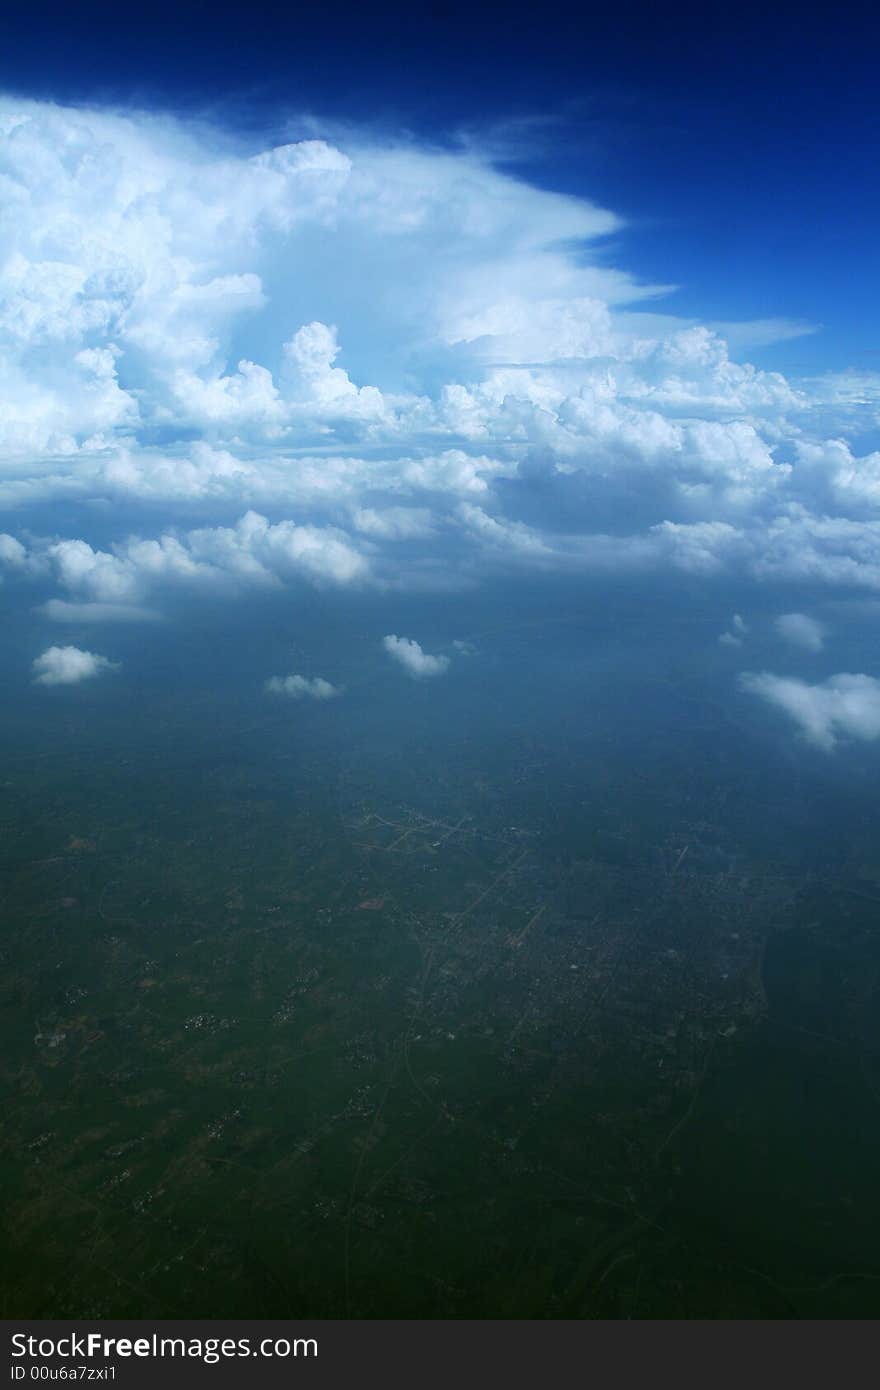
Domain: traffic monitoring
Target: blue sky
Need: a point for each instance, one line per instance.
(378, 304)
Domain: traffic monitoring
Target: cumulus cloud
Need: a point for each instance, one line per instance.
(801, 631)
(842, 706)
(378, 364)
(301, 687)
(412, 658)
(69, 666)
(12, 553)
(108, 585)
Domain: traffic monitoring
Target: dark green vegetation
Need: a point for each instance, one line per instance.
(549, 989)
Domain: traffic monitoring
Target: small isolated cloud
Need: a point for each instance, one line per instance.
(69, 666)
(843, 705)
(801, 631)
(464, 647)
(412, 658)
(301, 688)
(734, 637)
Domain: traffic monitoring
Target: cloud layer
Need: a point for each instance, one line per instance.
(363, 363)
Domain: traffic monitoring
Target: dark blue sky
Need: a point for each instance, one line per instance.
(740, 144)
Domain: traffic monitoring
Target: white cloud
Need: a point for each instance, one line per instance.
(702, 548)
(509, 537)
(69, 666)
(12, 553)
(301, 687)
(393, 523)
(844, 705)
(252, 552)
(321, 387)
(412, 658)
(801, 631)
(381, 364)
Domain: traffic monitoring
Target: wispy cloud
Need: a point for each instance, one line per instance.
(735, 635)
(59, 610)
(800, 630)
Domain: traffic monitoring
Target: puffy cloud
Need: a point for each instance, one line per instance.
(412, 658)
(256, 549)
(142, 241)
(801, 631)
(252, 552)
(801, 547)
(452, 473)
(69, 666)
(12, 553)
(701, 548)
(301, 687)
(423, 360)
(246, 399)
(327, 390)
(102, 577)
(842, 706)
